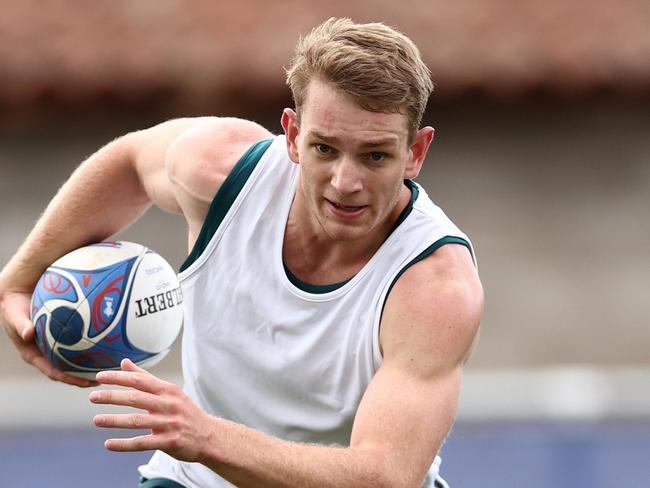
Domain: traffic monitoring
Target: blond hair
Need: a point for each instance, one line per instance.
(378, 66)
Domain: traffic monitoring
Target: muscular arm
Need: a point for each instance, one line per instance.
(170, 165)
(429, 325)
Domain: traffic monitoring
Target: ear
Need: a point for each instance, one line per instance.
(418, 152)
(291, 128)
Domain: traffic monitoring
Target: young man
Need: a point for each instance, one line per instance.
(330, 305)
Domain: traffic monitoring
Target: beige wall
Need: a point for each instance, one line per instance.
(554, 196)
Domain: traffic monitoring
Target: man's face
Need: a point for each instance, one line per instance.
(352, 162)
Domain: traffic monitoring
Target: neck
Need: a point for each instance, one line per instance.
(316, 258)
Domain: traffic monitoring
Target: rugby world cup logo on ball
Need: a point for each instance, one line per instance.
(105, 302)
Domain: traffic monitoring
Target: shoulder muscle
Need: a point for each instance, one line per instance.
(201, 157)
(432, 314)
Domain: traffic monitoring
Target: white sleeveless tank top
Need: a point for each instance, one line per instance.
(264, 350)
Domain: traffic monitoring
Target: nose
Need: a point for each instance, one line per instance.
(346, 177)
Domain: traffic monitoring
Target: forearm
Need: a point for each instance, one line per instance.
(249, 458)
(103, 196)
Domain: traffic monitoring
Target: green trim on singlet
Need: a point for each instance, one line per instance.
(317, 289)
(298, 283)
(225, 197)
(159, 483)
(427, 252)
(407, 211)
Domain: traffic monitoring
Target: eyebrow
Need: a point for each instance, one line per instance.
(381, 141)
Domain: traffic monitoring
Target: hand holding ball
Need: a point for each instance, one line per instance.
(105, 302)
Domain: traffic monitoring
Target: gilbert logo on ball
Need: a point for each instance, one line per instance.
(105, 302)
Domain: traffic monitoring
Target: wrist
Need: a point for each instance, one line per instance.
(210, 451)
(20, 276)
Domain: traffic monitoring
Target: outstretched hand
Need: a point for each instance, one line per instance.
(14, 316)
(178, 426)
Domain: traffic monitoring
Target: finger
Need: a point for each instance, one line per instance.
(56, 375)
(128, 365)
(127, 398)
(139, 443)
(140, 381)
(34, 357)
(129, 421)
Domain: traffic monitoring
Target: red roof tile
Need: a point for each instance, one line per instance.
(204, 50)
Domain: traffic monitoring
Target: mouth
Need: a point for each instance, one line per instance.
(346, 211)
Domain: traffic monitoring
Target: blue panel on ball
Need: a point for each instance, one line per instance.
(53, 285)
(95, 358)
(37, 301)
(88, 280)
(124, 349)
(41, 337)
(105, 300)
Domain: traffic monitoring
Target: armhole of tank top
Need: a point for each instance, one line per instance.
(225, 197)
(428, 251)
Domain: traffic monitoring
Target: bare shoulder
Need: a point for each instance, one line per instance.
(201, 157)
(433, 312)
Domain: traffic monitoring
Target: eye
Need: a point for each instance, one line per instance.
(376, 156)
(323, 148)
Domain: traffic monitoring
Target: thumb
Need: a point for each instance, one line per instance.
(25, 329)
(15, 312)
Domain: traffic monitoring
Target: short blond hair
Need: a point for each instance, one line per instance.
(378, 66)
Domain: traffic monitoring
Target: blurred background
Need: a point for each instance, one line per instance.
(541, 154)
